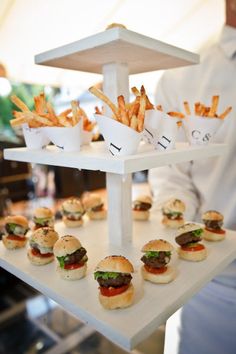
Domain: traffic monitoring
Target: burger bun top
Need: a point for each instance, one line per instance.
(72, 205)
(16, 219)
(118, 264)
(188, 227)
(212, 215)
(174, 205)
(66, 245)
(43, 212)
(158, 245)
(45, 236)
(91, 200)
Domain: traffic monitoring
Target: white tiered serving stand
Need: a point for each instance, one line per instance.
(116, 53)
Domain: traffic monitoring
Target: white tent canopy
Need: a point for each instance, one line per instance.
(28, 27)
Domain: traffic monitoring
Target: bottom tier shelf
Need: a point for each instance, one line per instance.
(153, 303)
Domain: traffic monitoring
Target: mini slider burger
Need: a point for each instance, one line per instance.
(72, 211)
(157, 254)
(94, 206)
(43, 217)
(213, 221)
(16, 227)
(188, 237)
(41, 246)
(114, 278)
(141, 207)
(72, 258)
(172, 212)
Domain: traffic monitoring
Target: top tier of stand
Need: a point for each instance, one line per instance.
(117, 45)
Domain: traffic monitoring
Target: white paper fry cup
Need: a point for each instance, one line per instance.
(167, 133)
(119, 139)
(200, 130)
(35, 138)
(160, 130)
(65, 138)
(86, 137)
(152, 123)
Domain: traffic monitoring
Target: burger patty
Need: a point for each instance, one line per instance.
(142, 206)
(156, 262)
(98, 207)
(173, 216)
(76, 256)
(122, 279)
(213, 224)
(187, 237)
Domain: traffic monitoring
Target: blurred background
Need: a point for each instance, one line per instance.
(30, 27)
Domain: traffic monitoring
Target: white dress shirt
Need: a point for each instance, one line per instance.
(208, 183)
(209, 319)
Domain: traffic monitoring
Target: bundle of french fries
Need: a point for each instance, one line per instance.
(204, 111)
(131, 114)
(44, 114)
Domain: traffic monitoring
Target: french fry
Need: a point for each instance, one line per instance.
(135, 91)
(51, 113)
(198, 108)
(176, 114)
(225, 113)
(75, 113)
(122, 110)
(105, 99)
(64, 122)
(134, 122)
(141, 113)
(66, 112)
(214, 106)
(18, 121)
(134, 109)
(187, 108)
(20, 104)
(149, 105)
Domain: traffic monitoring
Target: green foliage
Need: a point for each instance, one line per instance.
(106, 275)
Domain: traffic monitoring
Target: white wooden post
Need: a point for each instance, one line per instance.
(119, 208)
(115, 83)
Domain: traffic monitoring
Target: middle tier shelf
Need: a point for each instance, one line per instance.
(96, 157)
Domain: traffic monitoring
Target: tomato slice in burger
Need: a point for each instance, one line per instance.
(16, 238)
(113, 291)
(198, 247)
(155, 270)
(73, 266)
(217, 231)
(37, 253)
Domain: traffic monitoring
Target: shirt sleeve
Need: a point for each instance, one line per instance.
(173, 181)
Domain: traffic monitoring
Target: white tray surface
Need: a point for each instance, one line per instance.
(153, 303)
(96, 157)
(118, 45)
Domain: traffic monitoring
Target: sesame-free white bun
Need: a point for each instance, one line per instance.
(97, 215)
(112, 25)
(213, 236)
(158, 245)
(171, 223)
(43, 212)
(212, 215)
(114, 263)
(141, 215)
(72, 223)
(193, 256)
(16, 219)
(122, 300)
(72, 274)
(45, 236)
(66, 245)
(188, 227)
(13, 244)
(162, 278)
(91, 200)
(37, 260)
(73, 205)
(173, 205)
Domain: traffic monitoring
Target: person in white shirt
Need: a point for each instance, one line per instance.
(209, 318)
